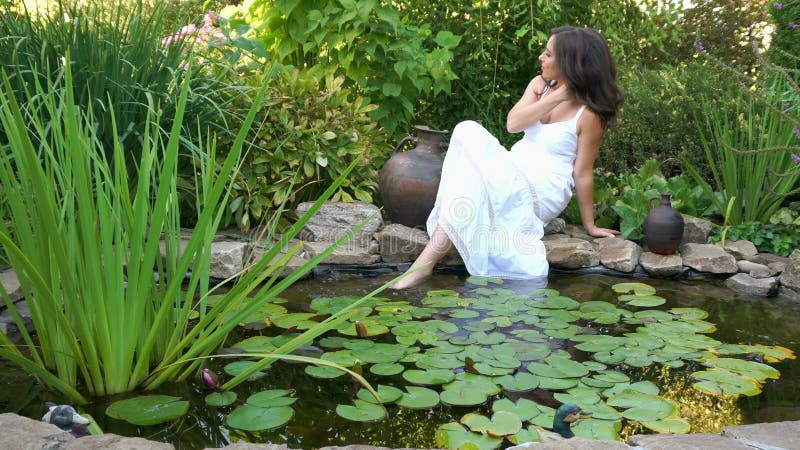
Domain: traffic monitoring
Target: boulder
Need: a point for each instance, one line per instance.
(768, 258)
(790, 278)
(108, 441)
(695, 231)
(762, 287)
(618, 254)
(348, 253)
(10, 282)
(571, 253)
(25, 433)
(755, 270)
(577, 232)
(335, 219)
(766, 435)
(741, 249)
(708, 258)
(399, 243)
(555, 226)
(9, 327)
(694, 441)
(227, 258)
(661, 265)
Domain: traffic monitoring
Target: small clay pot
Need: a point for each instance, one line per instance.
(663, 227)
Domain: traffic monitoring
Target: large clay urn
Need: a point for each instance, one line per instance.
(663, 226)
(409, 180)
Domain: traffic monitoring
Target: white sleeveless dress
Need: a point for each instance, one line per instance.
(494, 203)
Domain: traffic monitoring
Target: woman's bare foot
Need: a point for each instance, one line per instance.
(412, 279)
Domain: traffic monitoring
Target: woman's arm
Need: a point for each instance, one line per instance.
(531, 107)
(590, 133)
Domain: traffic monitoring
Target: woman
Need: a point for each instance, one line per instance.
(493, 204)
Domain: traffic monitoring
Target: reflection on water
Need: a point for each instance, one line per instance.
(739, 319)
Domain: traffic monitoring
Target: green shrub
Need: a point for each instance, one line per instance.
(779, 236)
(661, 114)
(785, 45)
(306, 133)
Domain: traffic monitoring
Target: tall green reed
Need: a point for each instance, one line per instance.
(749, 154)
(85, 245)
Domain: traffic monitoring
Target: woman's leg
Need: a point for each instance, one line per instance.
(436, 248)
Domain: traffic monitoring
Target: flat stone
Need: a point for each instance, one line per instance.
(777, 266)
(619, 254)
(399, 243)
(785, 292)
(749, 267)
(762, 287)
(701, 441)
(348, 253)
(9, 327)
(571, 253)
(358, 447)
(695, 231)
(741, 249)
(777, 434)
(577, 232)
(25, 433)
(768, 258)
(661, 265)
(575, 443)
(227, 258)
(10, 282)
(295, 262)
(109, 441)
(335, 219)
(249, 446)
(790, 277)
(708, 258)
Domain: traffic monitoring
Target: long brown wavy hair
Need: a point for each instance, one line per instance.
(589, 69)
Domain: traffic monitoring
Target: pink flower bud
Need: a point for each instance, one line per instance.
(209, 378)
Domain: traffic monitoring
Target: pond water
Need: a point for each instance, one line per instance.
(739, 319)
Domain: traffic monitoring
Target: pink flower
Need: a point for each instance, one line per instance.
(796, 132)
(792, 25)
(795, 158)
(777, 5)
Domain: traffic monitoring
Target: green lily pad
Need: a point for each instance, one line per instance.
(454, 435)
(751, 369)
(361, 411)
(272, 397)
(557, 384)
(442, 361)
(483, 281)
(462, 340)
(556, 302)
(148, 409)
(643, 301)
(598, 430)
(460, 396)
(476, 382)
(332, 305)
(636, 288)
(492, 371)
(388, 394)
(323, 372)
(429, 377)
(525, 435)
(256, 344)
(387, 369)
(237, 367)
(643, 407)
(253, 418)
(646, 387)
(301, 321)
(558, 367)
(480, 326)
(343, 358)
(673, 425)
(371, 326)
(221, 398)
(464, 314)
(381, 353)
(502, 423)
(524, 409)
(520, 382)
(689, 313)
(417, 397)
(583, 397)
(722, 381)
(484, 338)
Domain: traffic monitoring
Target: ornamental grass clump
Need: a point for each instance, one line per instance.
(85, 245)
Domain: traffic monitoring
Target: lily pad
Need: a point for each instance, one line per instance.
(361, 411)
(502, 423)
(464, 314)
(454, 435)
(300, 321)
(237, 367)
(721, 381)
(751, 369)
(599, 430)
(369, 327)
(148, 409)
(643, 407)
(429, 377)
(643, 301)
(323, 372)
(387, 369)
(253, 418)
(417, 397)
(469, 381)
(388, 394)
(635, 288)
(483, 281)
(272, 397)
(458, 395)
(221, 398)
(520, 382)
(524, 409)
(530, 434)
(674, 425)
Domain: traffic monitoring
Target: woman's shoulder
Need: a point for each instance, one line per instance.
(589, 121)
(538, 84)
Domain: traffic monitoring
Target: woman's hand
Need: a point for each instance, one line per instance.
(601, 232)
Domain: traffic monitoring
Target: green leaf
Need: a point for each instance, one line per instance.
(454, 435)
(721, 381)
(390, 89)
(148, 409)
(447, 39)
(460, 395)
(388, 394)
(429, 377)
(272, 397)
(221, 398)
(524, 409)
(520, 382)
(417, 397)
(253, 418)
(361, 411)
(673, 425)
(636, 288)
(502, 423)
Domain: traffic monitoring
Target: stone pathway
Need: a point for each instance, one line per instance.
(35, 435)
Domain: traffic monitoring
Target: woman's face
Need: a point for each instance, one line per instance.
(550, 69)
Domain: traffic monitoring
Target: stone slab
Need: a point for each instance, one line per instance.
(399, 243)
(110, 441)
(348, 253)
(778, 434)
(700, 441)
(25, 433)
(575, 443)
(249, 446)
(10, 282)
(760, 287)
(708, 258)
(661, 265)
(335, 219)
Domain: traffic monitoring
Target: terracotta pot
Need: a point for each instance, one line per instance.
(409, 180)
(663, 227)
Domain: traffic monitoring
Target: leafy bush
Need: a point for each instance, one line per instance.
(306, 133)
(785, 46)
(623, 201)
(661, 114)
(779, 236)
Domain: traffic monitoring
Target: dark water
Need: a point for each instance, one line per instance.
(740, 319)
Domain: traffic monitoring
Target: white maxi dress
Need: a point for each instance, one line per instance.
(494, 203)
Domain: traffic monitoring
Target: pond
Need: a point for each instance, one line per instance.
(494, 316)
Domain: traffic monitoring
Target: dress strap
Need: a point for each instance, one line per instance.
(580, 111)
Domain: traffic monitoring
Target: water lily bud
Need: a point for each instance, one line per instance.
(209, 378)
(361, 330)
